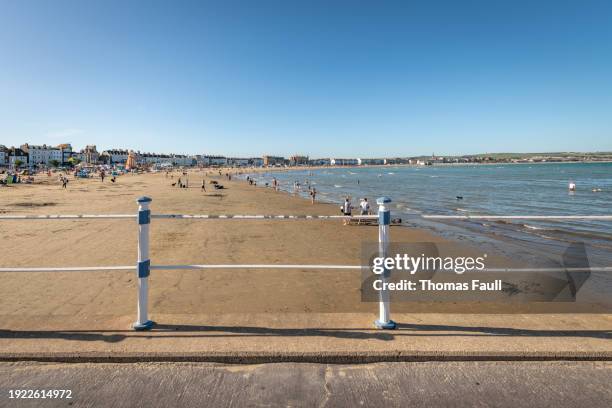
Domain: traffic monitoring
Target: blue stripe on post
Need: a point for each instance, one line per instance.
(144, 217)
(144, 268)
(384, 218)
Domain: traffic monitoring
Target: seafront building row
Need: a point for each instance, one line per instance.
(31, 156)
(28, 155)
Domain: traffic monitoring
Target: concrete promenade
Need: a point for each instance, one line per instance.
(431, 384)
(307, 337)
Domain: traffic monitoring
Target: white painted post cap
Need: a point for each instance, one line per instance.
(383, 200)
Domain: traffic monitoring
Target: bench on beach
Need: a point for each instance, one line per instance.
(371, 221)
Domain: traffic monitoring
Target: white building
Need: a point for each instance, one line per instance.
(214, 161)
(42, 154)
(115, 156)
(4, 154)
(182, 160)
(370, 162)
(319, 162)
(343, 162)
(238, 162)
(17, 155)
(154, 158)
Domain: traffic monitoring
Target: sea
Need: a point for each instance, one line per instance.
(491, 189)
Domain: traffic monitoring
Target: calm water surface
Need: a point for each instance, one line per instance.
(519, 189)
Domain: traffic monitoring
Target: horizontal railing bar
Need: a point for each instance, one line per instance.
(557, 269)
(262, 217)
(255, 266)
(66, 217)
(520, 217)
(188, 216)
(275, 266)
(71, 269)
(301, 217)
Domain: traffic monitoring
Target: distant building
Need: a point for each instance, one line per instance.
(78, 156)
(297, 160)
(182, 160)
(343, 162)
(15, 155)
(393, 161)
(273, 161)
(66, 150)
(214, 160)
(90, 154)
(41, 155)
(319, 162)
(154, 158)
(370, 162)
(238, 162)
(115, 156)
(4, 154)
(256, 161)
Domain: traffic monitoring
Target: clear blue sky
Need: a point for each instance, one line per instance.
(335, 78)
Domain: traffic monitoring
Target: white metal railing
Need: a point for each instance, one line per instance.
(143, 265)
(518, 217)
(67, 217)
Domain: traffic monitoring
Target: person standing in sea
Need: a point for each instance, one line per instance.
(347, 210)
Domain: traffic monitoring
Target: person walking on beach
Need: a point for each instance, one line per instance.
(64, 182)
(347, 210)
(365, 208)
(203, 185)
(313, 195)
(102, 176)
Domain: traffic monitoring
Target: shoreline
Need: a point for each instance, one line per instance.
(304, 168)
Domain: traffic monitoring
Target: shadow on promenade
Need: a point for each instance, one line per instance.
(165, 331)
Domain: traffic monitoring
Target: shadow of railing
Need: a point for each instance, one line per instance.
(165, 331)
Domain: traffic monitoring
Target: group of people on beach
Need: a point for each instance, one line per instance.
(297, 187)
(347, 208)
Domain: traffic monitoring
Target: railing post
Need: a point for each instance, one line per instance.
(143, 265)
(384, 221)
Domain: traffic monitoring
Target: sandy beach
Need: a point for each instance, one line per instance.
(113, 242)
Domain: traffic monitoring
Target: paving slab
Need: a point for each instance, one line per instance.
(429, 384)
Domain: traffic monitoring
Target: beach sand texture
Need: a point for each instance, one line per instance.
(113, 242)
